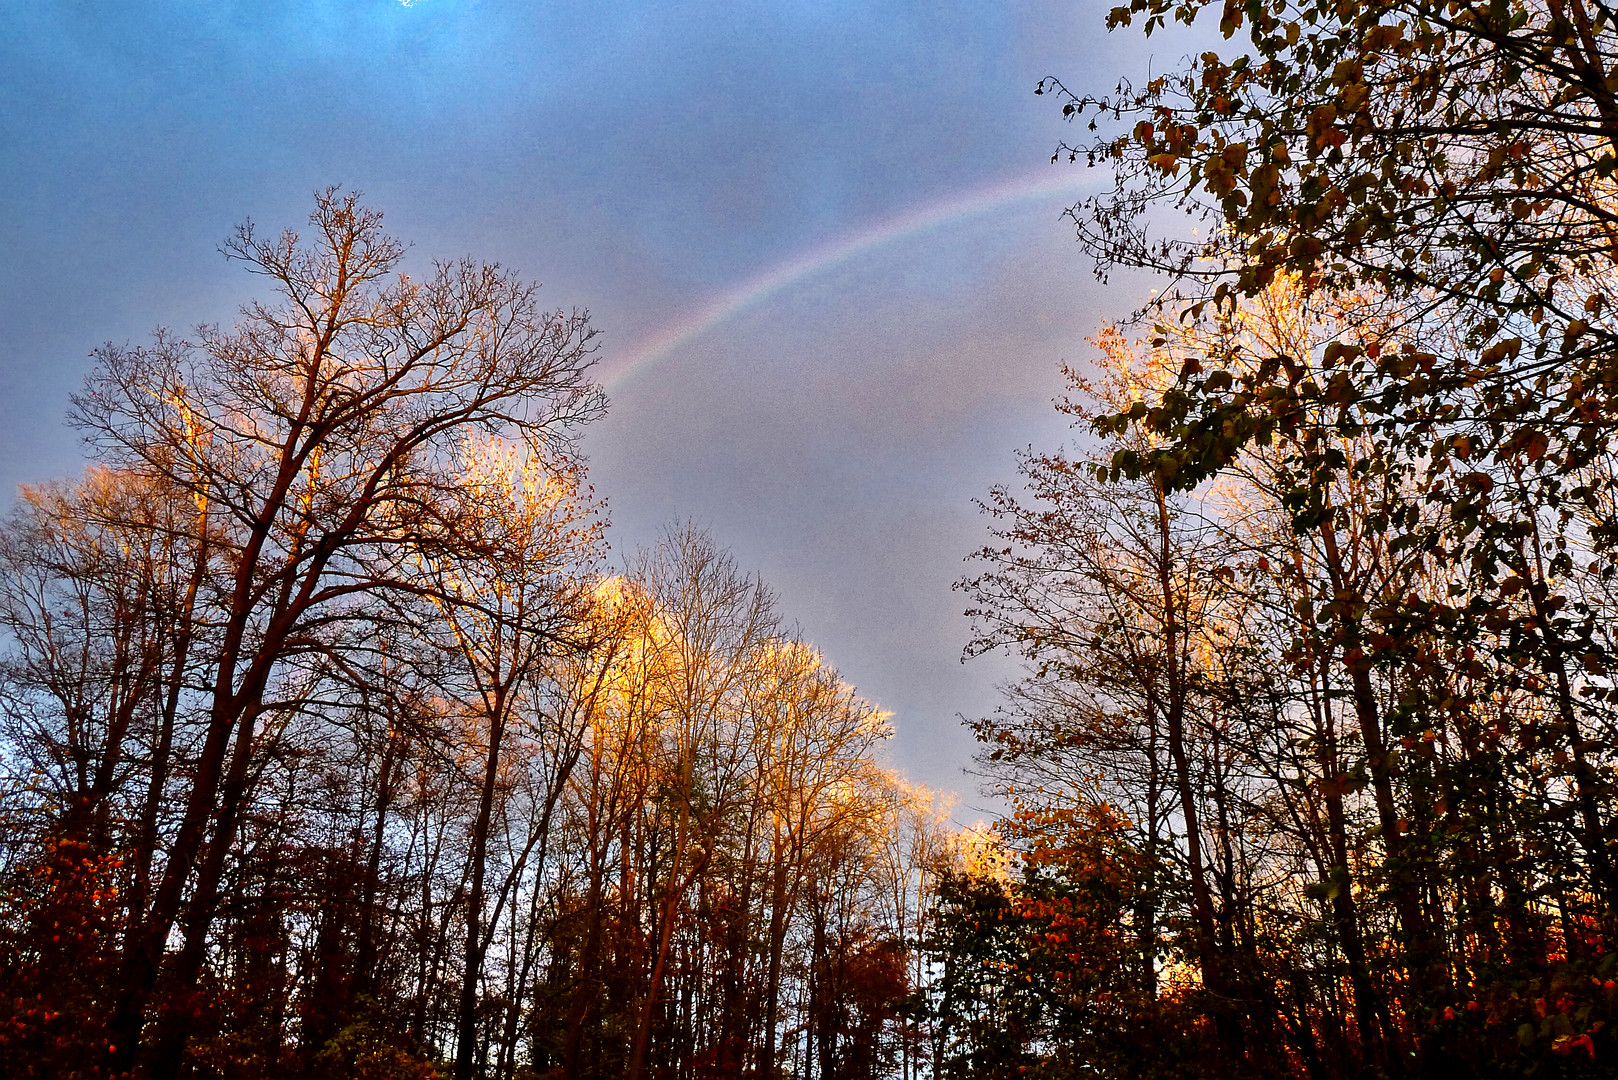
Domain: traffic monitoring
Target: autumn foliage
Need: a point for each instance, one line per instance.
(334, 743)
(1319, 603)
(334, 747)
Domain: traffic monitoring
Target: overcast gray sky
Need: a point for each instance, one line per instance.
(822, 241)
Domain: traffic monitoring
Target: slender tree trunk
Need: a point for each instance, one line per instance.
(1203, 921)
(1587, 784)
(145, 845)
(671, 908)
(1379, 760)
(365, 948)
(772, 980)
(187, 966)
(1376, 1031)
(584, 989)
(466, 1028)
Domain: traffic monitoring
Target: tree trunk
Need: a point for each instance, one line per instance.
(1401, 871)
(466, 1026)
(671, 909)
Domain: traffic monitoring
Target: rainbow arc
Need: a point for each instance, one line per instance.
(942, 213)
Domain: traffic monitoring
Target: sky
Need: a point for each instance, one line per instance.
(822, 242)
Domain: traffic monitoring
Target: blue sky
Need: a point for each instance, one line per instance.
(641, 160)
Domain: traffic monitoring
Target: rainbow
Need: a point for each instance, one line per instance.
(951, 209)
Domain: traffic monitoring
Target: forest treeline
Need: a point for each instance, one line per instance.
(333, 747)
(1313, 760)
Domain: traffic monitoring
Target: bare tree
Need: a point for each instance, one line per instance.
(320, 431)
(714, 621)
(513, 597)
